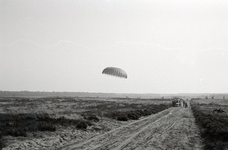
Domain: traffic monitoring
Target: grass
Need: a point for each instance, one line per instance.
(22, 115)
(125, 112)
(218, 101)
(20, 124)
(2, 143)
(213, 127)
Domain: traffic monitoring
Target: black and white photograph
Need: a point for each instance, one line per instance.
(113, 74)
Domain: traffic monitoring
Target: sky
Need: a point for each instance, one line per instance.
(165, 46)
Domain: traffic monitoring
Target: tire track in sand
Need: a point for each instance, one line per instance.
(173, 128)
(177, 131)
(115, 138)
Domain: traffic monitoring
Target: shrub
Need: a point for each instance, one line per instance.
(81, 125)
(16, 132)
(133, 116)
(2, 143)
(92, 118)
(213, 128)
(136, 111)
(20, 124)
(122, 118)
(46, 127)
(146, 112)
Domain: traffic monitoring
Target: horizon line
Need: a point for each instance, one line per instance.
(117, 92)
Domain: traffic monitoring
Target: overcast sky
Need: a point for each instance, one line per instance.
(165, 46)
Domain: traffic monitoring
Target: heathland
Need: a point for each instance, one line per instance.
(112, 123)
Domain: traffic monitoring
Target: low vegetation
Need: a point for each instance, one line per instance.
(2, 143)
(18, 125)
(21, 124)
(213, 126)
(123, 112)
(20, 116)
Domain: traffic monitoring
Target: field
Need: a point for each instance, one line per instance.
(212, 119)
(208, 101)
(68, 123)
(173, 128)
(52, 122)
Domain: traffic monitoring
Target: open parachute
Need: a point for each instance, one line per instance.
(113, 71)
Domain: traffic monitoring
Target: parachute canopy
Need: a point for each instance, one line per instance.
(113, 71)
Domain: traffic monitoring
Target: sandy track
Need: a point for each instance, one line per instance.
(173, 128)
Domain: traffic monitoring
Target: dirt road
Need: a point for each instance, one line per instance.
(173, 128)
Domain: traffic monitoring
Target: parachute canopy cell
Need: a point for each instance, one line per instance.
(113, 71)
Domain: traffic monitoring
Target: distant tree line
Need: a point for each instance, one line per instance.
(73, 94)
